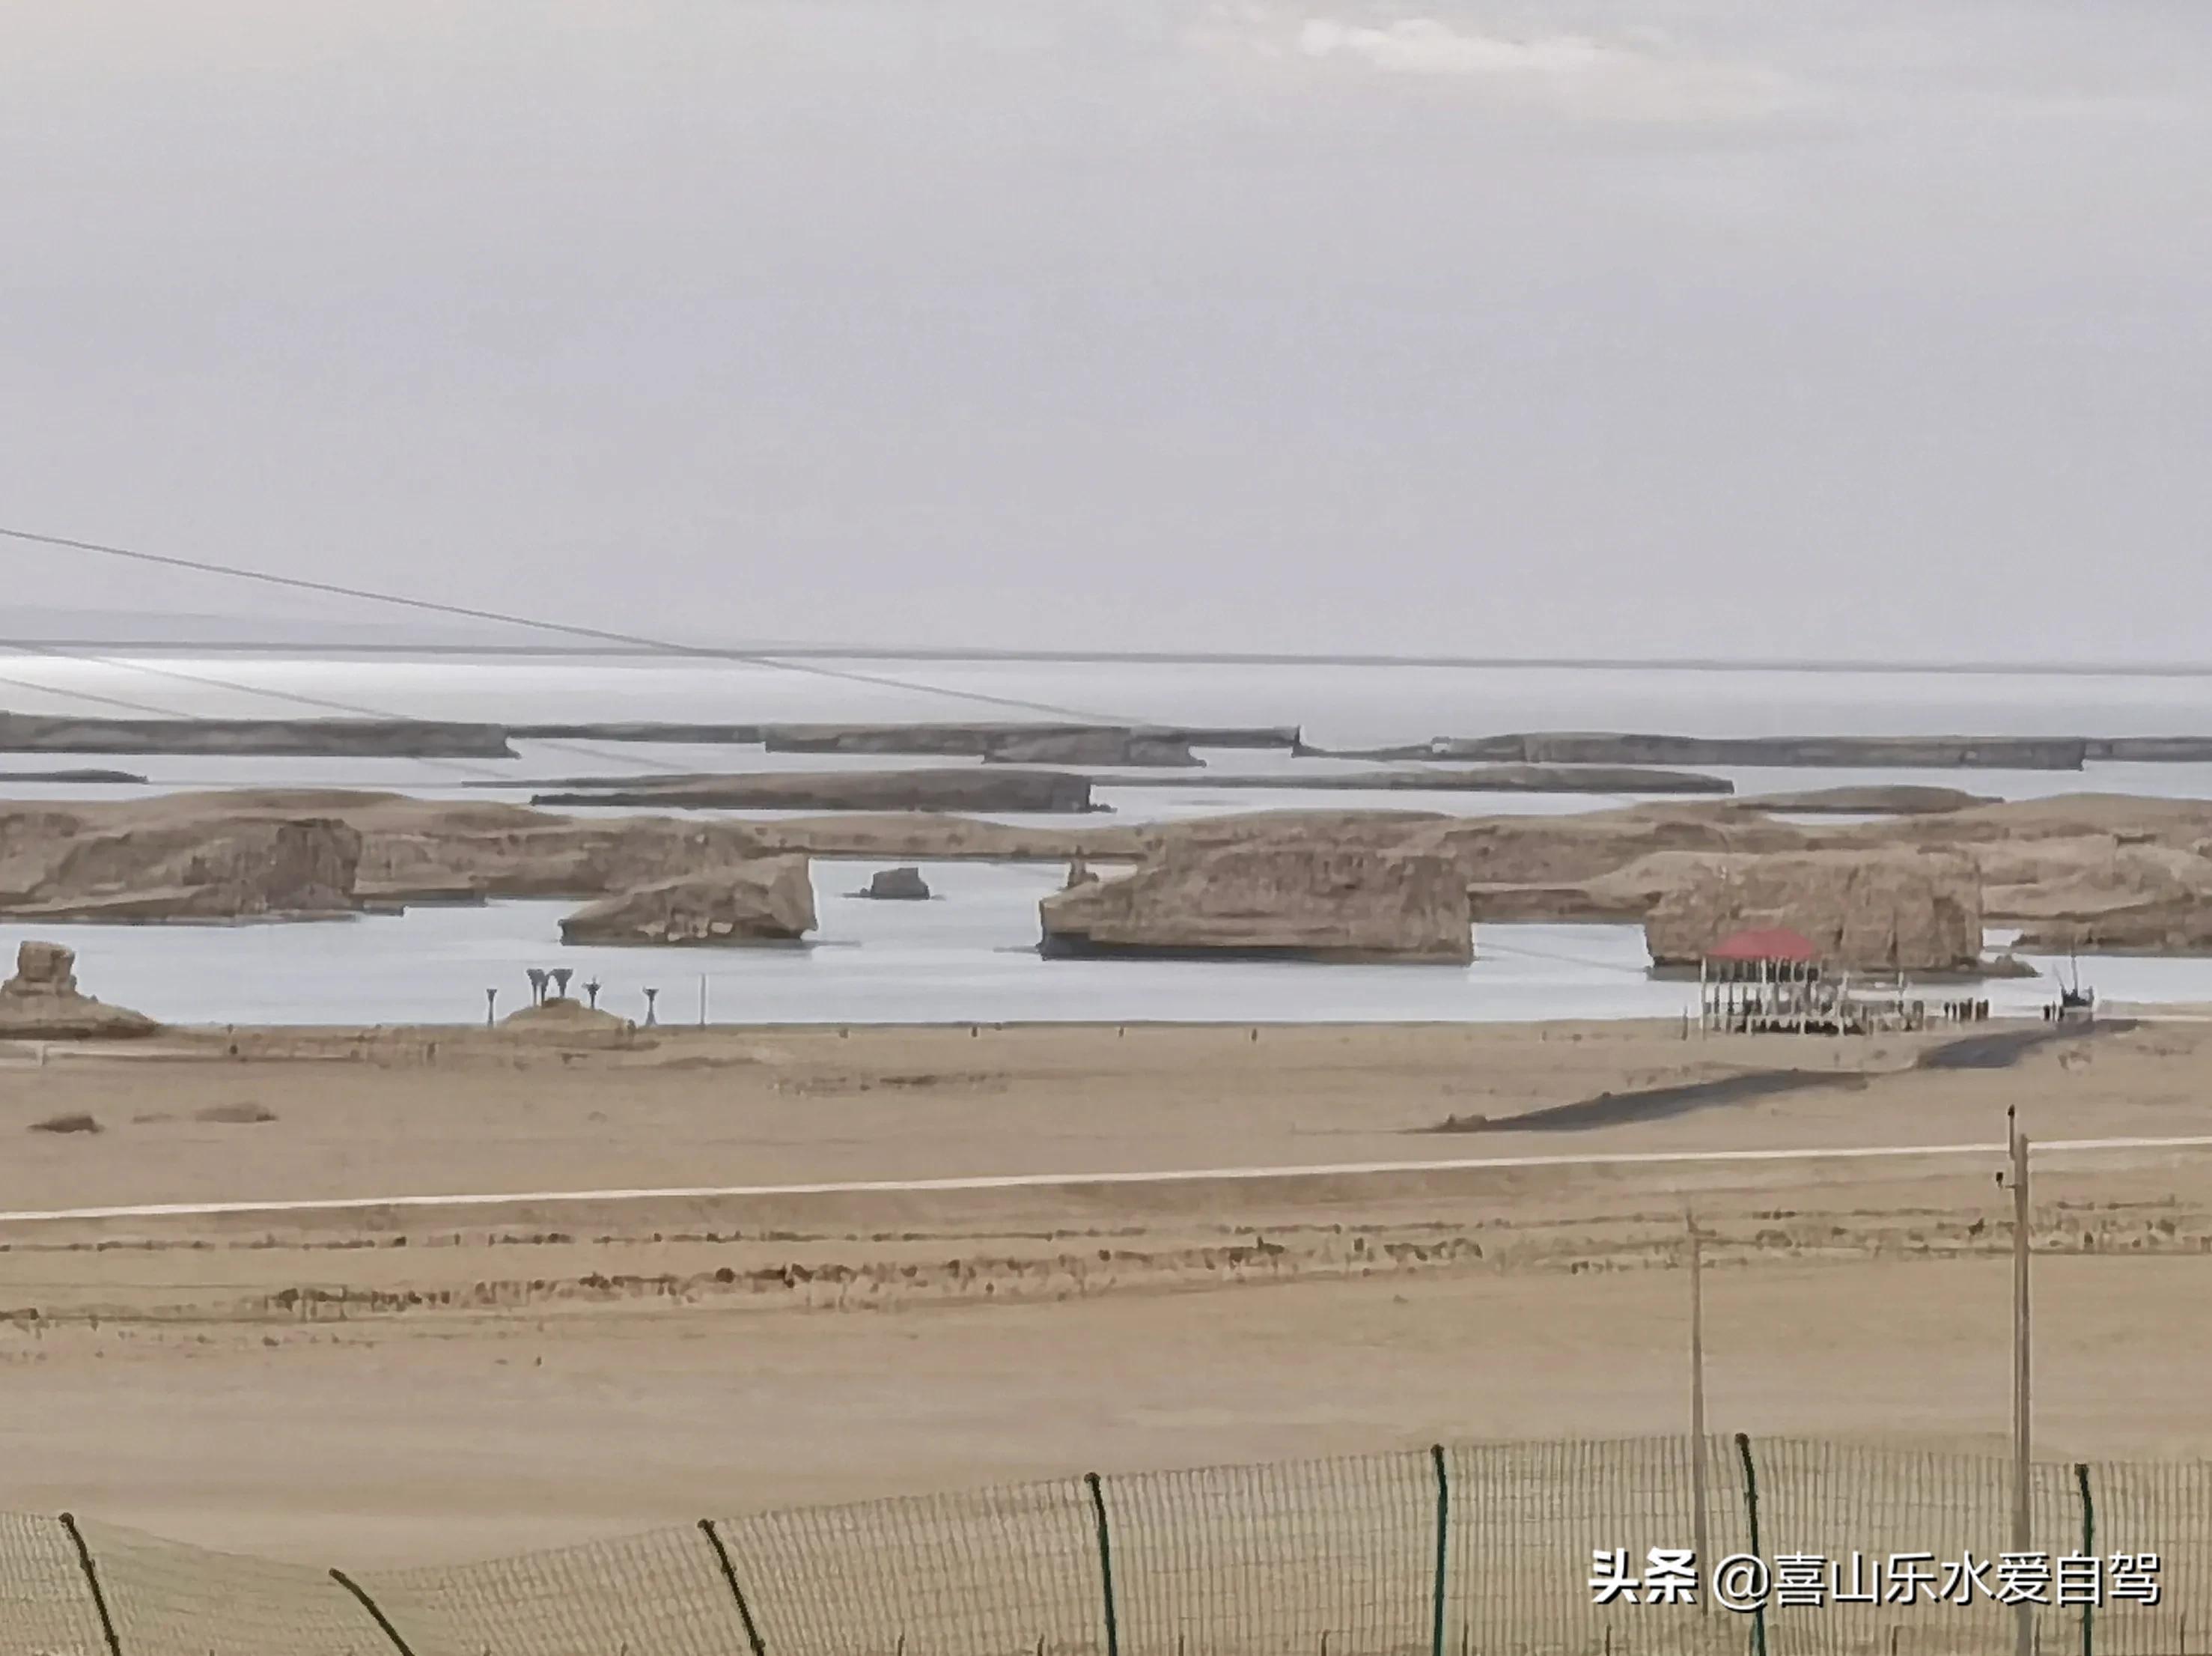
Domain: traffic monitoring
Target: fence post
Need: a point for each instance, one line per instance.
(2088, 1551)
(1751, 1508)
(92, 1580)
(730, 1575)
(376, 1614)
(1105, 1562)
(1443, 1547)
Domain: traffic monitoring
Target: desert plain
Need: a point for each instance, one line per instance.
(434, 1380)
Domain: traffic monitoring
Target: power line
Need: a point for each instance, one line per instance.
(167, 714)
(88, 696)
(297, 698)
(1487, 947)
(601, 634)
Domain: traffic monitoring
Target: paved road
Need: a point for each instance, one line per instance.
(1050, 1181)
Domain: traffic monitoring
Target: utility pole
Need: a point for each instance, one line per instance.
(2022, 1467)
(1698, 1537)
(702, 1000)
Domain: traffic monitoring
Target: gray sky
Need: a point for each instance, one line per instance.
(1593, 325)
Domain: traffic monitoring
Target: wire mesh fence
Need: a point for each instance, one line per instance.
(1576, 1548)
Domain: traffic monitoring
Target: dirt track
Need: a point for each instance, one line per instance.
(418, 1384)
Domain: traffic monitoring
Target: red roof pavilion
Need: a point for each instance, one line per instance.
(1776, 943)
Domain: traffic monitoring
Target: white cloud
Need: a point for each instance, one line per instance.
(1574, 74)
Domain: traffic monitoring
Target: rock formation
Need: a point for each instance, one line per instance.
(236, 870)
(1476, 779)
(683, 731)
(1865, 752)
(1886, 911)
(903, 885)
(1099, 747)
(42, 1003)
(976, 741)
(766, 900)
(1904, 800)
(946, 788)
(209, 855)
(983, 741)
(2151, 750)
(2087, 876)
(1010, 742)
(419, 851)
(2179, 925)
(1261, 901)
(75, 777)
(34, 733)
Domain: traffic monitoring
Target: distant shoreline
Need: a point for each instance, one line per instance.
(741, 654)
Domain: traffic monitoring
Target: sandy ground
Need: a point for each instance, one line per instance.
(395, 1385)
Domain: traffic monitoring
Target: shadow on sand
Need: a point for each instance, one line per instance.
(1996, 1049)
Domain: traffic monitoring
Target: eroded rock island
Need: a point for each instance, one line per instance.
(1042, 793)
(761, 900)
(1269, 901)
(42, 1003)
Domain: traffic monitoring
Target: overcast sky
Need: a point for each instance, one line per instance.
(1690, 326)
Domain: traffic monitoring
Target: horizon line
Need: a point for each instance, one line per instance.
(982, 654)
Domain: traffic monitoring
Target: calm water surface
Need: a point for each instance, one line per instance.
(969, 957)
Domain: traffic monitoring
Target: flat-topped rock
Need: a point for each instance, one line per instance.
(1903, 799)
(1879, 911)
(2176, 925)
(971, 741)
(1471, 779)
(897, 886)
(1241, 901)
(687, 733)
(1868, 753)
(61, 778)
(211, 856)
(1099, 747)
(37, 732)
(764, 900)
(2151, 750)
(178, 870)
(983, 740)
(946, 788)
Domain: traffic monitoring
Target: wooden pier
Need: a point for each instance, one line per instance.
(1774, 983)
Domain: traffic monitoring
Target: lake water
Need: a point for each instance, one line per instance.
(969, 957)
